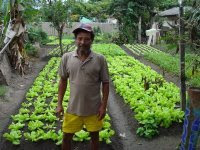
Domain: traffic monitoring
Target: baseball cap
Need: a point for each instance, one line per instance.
(83, 26)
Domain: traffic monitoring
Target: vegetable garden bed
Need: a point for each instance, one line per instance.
(127, 84)
(168, 62)
(36, 119)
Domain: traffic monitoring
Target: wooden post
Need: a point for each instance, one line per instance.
(182, 59)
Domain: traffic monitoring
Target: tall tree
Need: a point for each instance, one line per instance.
(86, 9)
(167, 4)
(193, 25)
(192, 37)
(59, 14)
(128, 14)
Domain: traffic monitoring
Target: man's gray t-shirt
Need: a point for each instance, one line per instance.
(85, 79)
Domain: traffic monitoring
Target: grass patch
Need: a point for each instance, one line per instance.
(2, 90)
(171, 64)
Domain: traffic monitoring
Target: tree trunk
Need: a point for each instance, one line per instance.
(140, 30)
(60, 41)
(60, 34)
(177, 48)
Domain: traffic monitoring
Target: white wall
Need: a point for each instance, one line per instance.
(105, 27)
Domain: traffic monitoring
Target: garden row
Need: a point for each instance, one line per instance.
(141, 49)
(56, 52)
(170, 63)
(55, 41)
(37, 120)
(152, 99)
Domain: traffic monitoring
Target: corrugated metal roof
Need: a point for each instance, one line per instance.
(172, 12)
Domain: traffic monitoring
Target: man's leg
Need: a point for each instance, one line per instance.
(71, 125)
(94, 144)
(66, 143)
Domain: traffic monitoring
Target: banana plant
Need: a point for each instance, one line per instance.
(15, 35)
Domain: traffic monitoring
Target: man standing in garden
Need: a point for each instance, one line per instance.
(86, 71)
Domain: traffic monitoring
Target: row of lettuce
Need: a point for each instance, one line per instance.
(37, 120)
(170, 63)
(56, 52)
(55, 40)
(153, 100)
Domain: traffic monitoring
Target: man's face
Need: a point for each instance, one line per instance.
(83, 41)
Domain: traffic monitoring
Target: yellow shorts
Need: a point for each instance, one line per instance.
(73, 123)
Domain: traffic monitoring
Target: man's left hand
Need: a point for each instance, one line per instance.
(102, 112)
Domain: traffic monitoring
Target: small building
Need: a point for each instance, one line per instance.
(171, 16)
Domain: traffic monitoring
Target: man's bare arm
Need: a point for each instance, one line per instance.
(105, 92)
(61, 92)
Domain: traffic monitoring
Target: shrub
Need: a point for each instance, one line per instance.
(30, 49)
(119, 38)
(97, 30)
(37, 35)
(103, 38)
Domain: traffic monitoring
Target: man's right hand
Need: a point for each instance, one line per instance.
(59, 111)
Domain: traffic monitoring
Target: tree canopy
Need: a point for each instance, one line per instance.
(128, 12)
(59, 14)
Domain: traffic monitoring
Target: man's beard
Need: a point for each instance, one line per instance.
(83, 48)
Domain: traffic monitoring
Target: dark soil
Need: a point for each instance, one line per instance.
(50, 145)
(123, 121)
